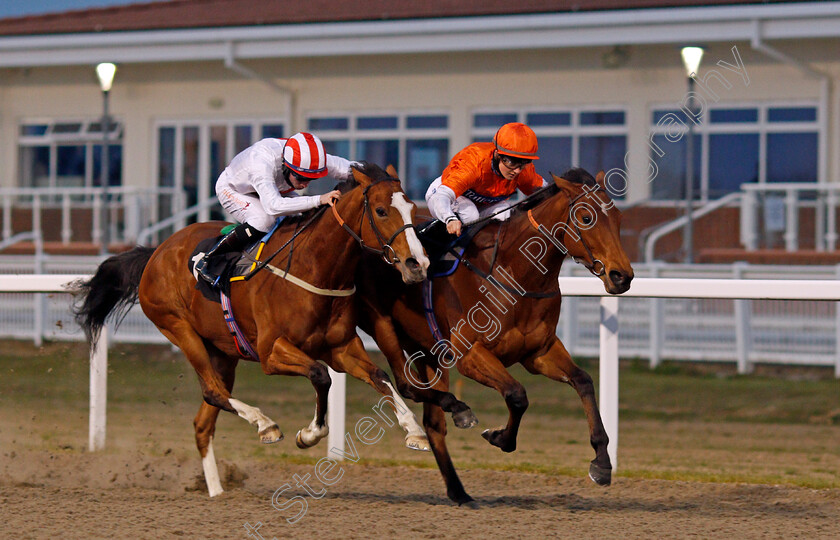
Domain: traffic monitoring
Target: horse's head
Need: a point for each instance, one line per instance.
(589, 226)
(388, 224)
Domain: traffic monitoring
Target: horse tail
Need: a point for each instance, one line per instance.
(111, 292)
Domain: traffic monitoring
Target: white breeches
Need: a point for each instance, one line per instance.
(246, 209)
(467, 211)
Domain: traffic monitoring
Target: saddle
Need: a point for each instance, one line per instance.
(229, 266)
(444, 252)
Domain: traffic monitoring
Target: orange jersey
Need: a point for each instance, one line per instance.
(472, 168)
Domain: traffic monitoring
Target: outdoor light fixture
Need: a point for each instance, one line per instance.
(105, 72)
(691, 57)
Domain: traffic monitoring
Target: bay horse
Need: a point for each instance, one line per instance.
(289, 326)
(501, 307)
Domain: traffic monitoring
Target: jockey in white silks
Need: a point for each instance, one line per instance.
(481, 178)
(259, 186)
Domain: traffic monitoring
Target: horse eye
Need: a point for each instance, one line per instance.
(381, 212)
(586, 220)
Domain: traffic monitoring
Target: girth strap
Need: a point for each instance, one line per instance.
(239, 339)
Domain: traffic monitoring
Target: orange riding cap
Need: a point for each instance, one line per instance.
(472, 168)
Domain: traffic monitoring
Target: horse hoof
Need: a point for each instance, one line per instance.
(300, 442)
(496, 437)
(271, 434)
(417, 442)
(599, 475)
(464, 419)
(471, 504)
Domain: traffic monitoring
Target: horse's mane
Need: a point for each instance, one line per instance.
(575, 175)
(372, 170)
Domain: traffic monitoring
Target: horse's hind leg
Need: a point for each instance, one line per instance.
(205, 427)
(482, 366)
(212, 385)
(557, 364)
(286, 359)
(354, 360)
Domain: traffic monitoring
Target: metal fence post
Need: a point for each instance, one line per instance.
(570, 323)
(336, 414)
(656, 319)
(608, 379)
(98, 392)
(743, 335)
(837, 332)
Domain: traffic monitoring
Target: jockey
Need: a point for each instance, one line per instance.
(481, 177)
(259, 186)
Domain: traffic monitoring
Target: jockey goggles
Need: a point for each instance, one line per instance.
(514, 163)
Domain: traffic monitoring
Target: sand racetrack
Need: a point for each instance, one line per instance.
(73, 495)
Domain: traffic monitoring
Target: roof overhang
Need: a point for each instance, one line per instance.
(515, 32)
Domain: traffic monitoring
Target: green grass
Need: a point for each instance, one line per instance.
(678, 422)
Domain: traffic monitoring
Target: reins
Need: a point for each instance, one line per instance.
(595, 263)
(596, 266)
(387, 252)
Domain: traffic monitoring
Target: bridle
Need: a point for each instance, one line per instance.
(595, 266)
(386, 252)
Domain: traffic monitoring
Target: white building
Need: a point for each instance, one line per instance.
(600, 81)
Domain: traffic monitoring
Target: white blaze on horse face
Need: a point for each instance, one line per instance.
(402, 205)
(211, 472)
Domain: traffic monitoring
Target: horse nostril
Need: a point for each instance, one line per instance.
(617, 277)
(412, 264)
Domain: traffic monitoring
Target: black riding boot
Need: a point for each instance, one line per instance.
(235, 240)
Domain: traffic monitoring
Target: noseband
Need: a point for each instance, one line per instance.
(386, 252)
(595, 266)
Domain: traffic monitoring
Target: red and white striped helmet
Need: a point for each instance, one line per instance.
(304, 153)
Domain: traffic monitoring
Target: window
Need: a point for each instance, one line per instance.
(61, 154)
(733, 145)
(416, 144)
(192, 154)
(594, 139)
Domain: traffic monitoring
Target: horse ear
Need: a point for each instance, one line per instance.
(392, 172)
(600, 179)
(562, 183)
(361, 178)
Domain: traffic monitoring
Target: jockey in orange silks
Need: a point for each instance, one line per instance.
(481, 178)
(259, 186)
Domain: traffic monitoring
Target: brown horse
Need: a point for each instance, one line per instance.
(499, 308)
(290, 324)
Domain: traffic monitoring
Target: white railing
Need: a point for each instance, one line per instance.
(781, 204)
(735, 289)
(129, 210)
(671, 226)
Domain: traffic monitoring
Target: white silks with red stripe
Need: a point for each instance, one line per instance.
(304, 153)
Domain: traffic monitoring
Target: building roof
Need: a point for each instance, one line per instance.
(186, 14)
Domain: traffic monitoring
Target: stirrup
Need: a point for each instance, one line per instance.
(201, 269)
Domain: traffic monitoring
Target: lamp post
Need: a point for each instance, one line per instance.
(105, 72)
(691, 57)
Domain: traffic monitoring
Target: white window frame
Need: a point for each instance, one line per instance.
(402, 133)
(762, 127)
(204, 124)
(84, 137)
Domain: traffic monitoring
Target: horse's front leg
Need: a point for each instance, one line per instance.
(286, 359)
(406, 378)
(557, 364)
(482, 366)
(351, 358)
